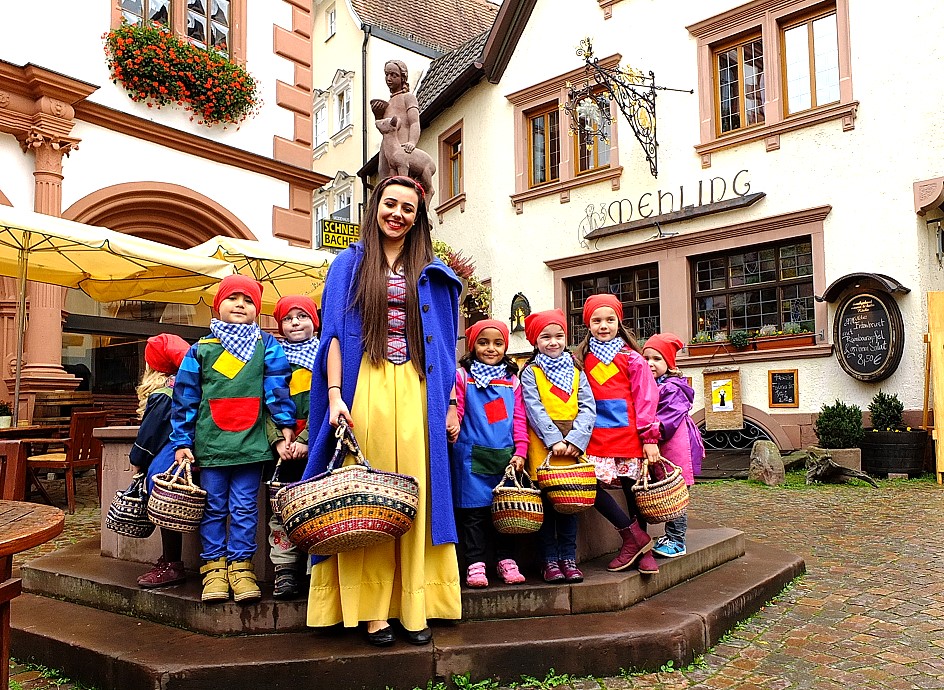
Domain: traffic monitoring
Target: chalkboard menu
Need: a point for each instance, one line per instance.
(782, 388)
(869, 335)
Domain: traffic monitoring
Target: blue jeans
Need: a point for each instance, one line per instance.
(231, 493)
(558, 534)
(675, 529)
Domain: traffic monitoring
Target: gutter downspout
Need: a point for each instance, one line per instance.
(366, 29)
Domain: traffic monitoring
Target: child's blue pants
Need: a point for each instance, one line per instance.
(231, 493)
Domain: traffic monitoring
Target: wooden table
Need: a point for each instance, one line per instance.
(22, 526)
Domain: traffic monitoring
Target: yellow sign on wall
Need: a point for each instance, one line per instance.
(338, 234)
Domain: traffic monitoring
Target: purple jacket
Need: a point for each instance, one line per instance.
(685, 449)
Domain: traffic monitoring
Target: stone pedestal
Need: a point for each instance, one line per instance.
(116, 476)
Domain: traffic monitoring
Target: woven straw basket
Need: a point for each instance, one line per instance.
(347, 508)
(571, 488)
(176, 503)
(127, 514)
(665, 499)
(516, 509)
(274, 486)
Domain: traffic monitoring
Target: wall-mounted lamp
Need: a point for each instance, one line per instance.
(935, 226)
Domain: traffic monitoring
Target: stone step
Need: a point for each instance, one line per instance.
(118, 652)
(80, 574)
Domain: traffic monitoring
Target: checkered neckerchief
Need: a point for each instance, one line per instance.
(303, 353)
(484, 374)
(606, 351)
(238, 339)
(559, 370)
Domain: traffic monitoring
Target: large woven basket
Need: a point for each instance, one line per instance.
(176, 503)
(516, 509)
(571, 488)
(127, 514)
(350, 507)
(274, 486)
(662, 500)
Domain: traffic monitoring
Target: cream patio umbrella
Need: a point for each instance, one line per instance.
(105, 264)
(282, 270)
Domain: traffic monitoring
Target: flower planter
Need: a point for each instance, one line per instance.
(894, 451)
(775, 342)
(706, 349)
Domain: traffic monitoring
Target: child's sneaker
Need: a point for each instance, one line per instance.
(215, 583)
(508, 571)
(552, 572)
(571, 571)
(666, 547)
(242, 579)
(475, 576)
(163, 573)
(286, 582)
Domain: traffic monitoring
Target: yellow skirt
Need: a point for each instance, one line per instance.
(409, 578)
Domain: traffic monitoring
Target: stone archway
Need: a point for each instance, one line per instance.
(159, 211)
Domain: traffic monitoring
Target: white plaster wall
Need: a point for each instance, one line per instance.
(121, 159)
(865, 175)
(17, 179)
(73, 46)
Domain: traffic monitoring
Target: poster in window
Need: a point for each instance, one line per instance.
(723, 410)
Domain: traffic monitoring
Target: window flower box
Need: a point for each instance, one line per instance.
(710, 348)
(776, 342)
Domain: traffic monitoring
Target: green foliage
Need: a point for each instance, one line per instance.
(739, 340)
(839, 425)
(703, 337)
(479, 297)
(886, 411)
(158, 68)
(465, 682)
(551, 680)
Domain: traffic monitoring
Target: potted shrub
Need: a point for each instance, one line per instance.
(6, 415)
(793, 334)
(839, 430)
(708, 343)
(889, 445)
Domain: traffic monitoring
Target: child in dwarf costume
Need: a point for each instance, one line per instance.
(225, 383)
(297, 317)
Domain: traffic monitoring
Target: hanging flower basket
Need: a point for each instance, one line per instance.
(158, 68)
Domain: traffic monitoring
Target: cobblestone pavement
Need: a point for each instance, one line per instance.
(868, 614)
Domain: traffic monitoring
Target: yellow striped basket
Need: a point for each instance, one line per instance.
(516, 509)
(571, 488)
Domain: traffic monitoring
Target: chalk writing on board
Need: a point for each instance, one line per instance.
(864, 334)
(783, 388)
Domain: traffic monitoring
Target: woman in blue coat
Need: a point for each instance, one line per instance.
(387, 362)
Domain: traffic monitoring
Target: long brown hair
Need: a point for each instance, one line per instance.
(580, 352)
(370, 296)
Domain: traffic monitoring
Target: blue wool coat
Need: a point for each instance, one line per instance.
(438, 293)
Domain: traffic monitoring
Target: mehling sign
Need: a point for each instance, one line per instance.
(338, 234)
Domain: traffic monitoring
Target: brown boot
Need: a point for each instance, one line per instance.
(635, 543)
(243, 581)
(647, 564)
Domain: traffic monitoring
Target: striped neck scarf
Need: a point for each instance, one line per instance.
(238, 339)
(484, 374)
(303, 354)
(559, 370)
(606, 351)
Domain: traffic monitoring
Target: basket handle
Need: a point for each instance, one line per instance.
(347, 444)
(547, 462)
(187, 479)
(644, 472)
(512, 476)
(275, 473)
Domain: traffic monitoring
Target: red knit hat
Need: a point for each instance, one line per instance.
(230, 285)
(164, 352)
(594, 302)
(289, 302)
(473, 331)
(537, 322)
(667, 345)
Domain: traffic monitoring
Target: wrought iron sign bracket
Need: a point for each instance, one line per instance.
(634, 93)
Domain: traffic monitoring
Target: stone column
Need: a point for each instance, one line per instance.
(42, 351)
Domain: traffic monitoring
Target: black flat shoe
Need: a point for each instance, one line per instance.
(381, 638)
(420, 637)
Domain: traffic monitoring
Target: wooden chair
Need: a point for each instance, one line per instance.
(82, 450)
(12, 470)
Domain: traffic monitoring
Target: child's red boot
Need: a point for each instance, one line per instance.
(636, 542)
(647, 564)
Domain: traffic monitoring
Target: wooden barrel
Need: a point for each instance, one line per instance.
(894, 451)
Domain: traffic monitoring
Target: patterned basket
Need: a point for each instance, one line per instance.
(127, 514)
(176, 503)
(274, 485)
(571, 488)
(347, 508)
(516, 509)
(662, 500)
